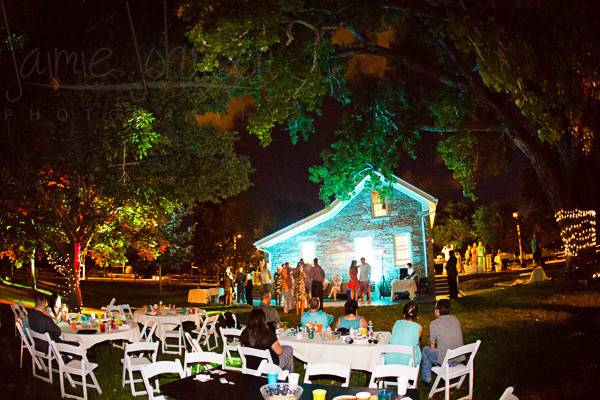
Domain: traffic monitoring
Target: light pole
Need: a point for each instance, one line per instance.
(516, 217)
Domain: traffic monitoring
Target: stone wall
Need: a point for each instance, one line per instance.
(334, 239)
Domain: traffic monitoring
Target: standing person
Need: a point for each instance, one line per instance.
(265, 278)
(444, 334)
(317, 276)
(406, 332)
(364, 280)
(240, 280)
(467, 259)
(353, 284)
(249, 288)
(278, 282)
(536, 250)
(306, 267)
(474, 257)
(228, 286)
(459, 263)
(452, 275)
(299, 289)
(287, 283)
(481, 257)
(446, 251)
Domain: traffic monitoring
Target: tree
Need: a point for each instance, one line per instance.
(486, 77)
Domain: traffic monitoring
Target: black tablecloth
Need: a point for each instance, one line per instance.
(248, 387)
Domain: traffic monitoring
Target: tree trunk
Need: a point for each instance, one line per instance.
(73, 290)
(33, 271)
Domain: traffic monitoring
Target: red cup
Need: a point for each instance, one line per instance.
(74, 326)
(102, 327)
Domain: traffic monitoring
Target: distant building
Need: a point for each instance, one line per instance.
(388, 232)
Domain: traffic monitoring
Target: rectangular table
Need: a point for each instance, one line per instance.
(248, 387)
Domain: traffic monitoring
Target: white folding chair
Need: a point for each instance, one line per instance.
(126, 310)
(114, 309)
(231, 340)
(27, 343)
(330, 369)
(508, 394)
(265, 355)
(19, 312)
(396, 349)
(79, 365)
(194, 344)
(45, 358)
(112, 302)
(207, 330)
(203, 357)
(134, 359)
(159, 368)
(171, 328)
(456, 371)
(396, 371)
(147, 332)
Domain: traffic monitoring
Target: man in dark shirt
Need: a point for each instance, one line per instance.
(42, 323)
(317, 276)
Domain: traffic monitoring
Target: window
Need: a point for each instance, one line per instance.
(307, 251)
(402, 253)
(379, 207)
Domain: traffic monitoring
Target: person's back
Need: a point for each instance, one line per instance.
(41, 323)
(405, 333)
(318, 317)
(350, 323)
(446, 332)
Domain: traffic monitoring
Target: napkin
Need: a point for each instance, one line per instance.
(203, 378)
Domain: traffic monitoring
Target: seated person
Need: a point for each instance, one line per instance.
(270, 313)
(55, 308)
(351, 319)
(406, 332)
(315, 315)
(42, 323)
(258, 335)
(412, 274)
(336, 287)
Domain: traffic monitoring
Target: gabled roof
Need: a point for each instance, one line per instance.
(428, 204)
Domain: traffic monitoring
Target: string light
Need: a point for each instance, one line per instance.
(577, 230)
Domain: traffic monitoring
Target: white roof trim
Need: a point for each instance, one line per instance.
(336, 206)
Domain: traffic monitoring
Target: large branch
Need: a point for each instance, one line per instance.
(473, 129)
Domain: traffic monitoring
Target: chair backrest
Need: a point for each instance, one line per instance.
(114, 309)
(331, 369)
(148, 330)
(508, 394)
(112, 302)
(202, 357)
(126, 309)
(258, 353)
(63, 348)
(265, 367)
(467, 350)
(194, 344)
(393, 371)
(229, 333)
(42, 337)
(155, 369)
(19, 311)
(141, 347)
(397, 349)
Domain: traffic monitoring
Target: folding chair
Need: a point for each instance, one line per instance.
(114, 309)
(203, 357)
(159, 368)
(171, 328)
(330, 369)
(266, 365)
(230, 338)
(194, 344)
(208, 329)
(19, 312)
(133, 361)
(457, 371)
(396, 371)
(126, 310)
(27, 343)
(147, 332)
(508, 394)
(396, 349)
(44, 358)
(79, 365)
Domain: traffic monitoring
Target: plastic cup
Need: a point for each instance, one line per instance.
(293, 378)
(102, 327)
(74, 326)
(183, 310)
(272, 377)
(319, 394)
(384, 394)
(363, 396)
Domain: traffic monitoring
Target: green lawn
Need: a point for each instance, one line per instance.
(541, 338)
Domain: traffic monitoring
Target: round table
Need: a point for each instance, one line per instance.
(128, 331)
(360, 355)
(143, 317)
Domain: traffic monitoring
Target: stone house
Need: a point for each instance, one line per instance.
(388, 232)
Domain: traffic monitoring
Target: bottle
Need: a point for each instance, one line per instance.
(370, 328)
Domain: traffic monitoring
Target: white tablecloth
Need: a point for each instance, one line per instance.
(129, 332)
(405, 285)
(141, 317)
(359, 355)
(203, 295)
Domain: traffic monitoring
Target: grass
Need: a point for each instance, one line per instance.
(541, 339)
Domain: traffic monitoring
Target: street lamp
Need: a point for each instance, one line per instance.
(516, 217)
